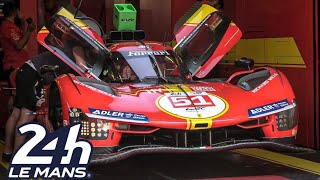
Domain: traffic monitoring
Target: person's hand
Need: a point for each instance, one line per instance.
(31, 27)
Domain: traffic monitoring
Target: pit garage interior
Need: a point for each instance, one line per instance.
(278, 33)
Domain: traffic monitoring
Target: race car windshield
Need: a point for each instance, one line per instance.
(138, 66)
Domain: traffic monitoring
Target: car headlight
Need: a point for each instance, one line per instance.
(95, 129)
(288, 119)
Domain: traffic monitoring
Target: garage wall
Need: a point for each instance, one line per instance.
(155, 18)
(285, 18)
(317, 72)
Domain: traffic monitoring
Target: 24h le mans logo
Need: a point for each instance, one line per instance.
(57, 155)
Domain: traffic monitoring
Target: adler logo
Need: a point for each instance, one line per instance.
(59, 155)
(118, 116)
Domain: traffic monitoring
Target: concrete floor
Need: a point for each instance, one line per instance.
(226, 165)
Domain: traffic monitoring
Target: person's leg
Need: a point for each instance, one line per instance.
(10, 131)
(7, 74)
(25, 100)
(10, 104)
(11, 122)
(26, 116)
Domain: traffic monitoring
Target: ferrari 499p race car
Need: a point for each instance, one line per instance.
(138, 96)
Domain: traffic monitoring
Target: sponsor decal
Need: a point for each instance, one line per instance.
(264, 83)
(122, 116)
(203, 88)
(93, 88)
(145, 47)
(127, 20)
(151, 91)
(268, 108)
(57, 155)
(192, 105)
(199, 74)
(15, 35)
(145, 53)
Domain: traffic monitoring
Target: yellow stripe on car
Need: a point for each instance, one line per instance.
(70, 16)
(200, 15)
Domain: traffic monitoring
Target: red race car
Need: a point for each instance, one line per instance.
(136, 97)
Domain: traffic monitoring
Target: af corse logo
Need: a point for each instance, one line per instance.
(56, 155)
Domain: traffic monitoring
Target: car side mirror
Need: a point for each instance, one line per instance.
(47, 68)
(244, 63)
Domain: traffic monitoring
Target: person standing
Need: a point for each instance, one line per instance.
(14, 41)
(29, 96)
(30, 82)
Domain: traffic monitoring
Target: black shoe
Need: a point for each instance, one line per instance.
(6, 157)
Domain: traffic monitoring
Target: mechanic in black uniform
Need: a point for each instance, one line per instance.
(29, 95)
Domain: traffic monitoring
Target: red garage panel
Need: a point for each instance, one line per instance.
(317, 72)
(155, 19)
(285, 18)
